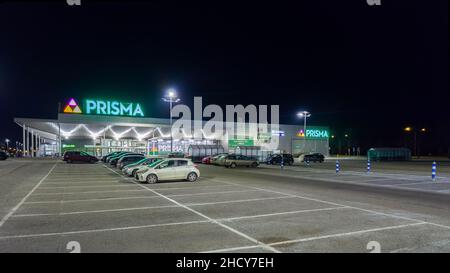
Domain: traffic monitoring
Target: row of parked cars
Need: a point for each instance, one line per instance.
(233, 160)
(154, 168)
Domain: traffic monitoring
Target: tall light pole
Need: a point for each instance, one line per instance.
(7, 144)
(414, 131)
(171, 97)
(304, 115)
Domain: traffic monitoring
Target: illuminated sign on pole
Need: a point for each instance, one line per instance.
(105, 107)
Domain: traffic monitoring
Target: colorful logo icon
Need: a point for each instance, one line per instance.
(301, 133)
(72, 107)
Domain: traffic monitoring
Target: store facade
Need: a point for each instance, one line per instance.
(101, 126)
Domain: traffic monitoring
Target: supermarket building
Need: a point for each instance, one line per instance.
(101, 126)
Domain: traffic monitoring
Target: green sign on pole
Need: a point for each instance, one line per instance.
(233, 143)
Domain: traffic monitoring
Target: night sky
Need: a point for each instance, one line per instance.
(364, 70)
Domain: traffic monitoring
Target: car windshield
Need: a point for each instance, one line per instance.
(155, 163)
(142, 161)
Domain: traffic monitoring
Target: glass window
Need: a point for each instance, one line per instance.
(181, 163)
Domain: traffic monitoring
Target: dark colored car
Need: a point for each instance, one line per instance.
(175, 155)
(316, 157)
(77, 156)
(3, 155)
(104, 158)
(275, 159)
(116, 155)
(129, 159)
(114, 160)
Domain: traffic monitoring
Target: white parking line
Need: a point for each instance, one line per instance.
(214, 221)
(151, 207)
(91, 200)
(231, 249)
(92, 211)
(191, 187)
(209, 219)
(236, 201)
(99, 230)
(11, 212)
(82, 192)
(341, 205)
(279, 213)
(316, 238)
(136, 197)
(90, 186)
(346, 234)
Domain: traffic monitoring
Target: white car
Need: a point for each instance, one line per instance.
(131, 169)
(169, 169)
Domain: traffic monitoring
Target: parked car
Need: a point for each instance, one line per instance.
(114, 160)
(169, 169)
(79, 156)
(131, 169)
(275, 159)
(119, 154)
(104, 158)
(3, 155)
(176, 155)
(218, 159)
(207, 159)
(314, 157)
(128, 159)
(233, 161)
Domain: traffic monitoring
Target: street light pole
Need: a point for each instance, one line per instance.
(304, 115)
(171, 98)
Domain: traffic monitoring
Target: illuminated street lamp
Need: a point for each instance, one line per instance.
(7, 144)
(304, 115)
(171, 97)
(411, 129)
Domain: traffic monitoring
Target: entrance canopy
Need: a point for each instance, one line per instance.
(69, 125)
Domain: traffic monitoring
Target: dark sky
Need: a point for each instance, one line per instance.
(361, 69)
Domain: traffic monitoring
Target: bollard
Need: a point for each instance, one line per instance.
(337, 166)
(433, 171)
(368, 166)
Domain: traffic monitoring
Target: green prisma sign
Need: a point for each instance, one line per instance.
(314, 133)
(233, 143)
(112, 108)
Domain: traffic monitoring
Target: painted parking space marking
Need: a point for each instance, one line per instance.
(346, 234)
(353, 207)
(63, 193)
(144, 208)
(212, 220)
(91, 211)
(90, 200)
(279, 213)
(100, 230)
(14, 209)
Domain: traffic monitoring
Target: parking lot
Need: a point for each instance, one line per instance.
(46, 204)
